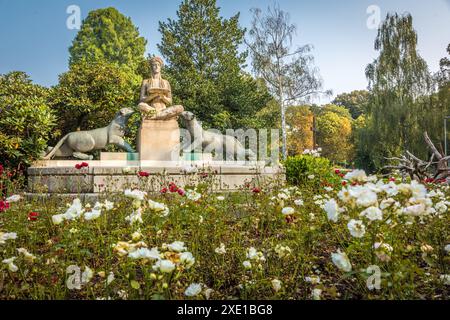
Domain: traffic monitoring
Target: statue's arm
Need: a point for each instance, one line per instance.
(143, 97)
(167, 99)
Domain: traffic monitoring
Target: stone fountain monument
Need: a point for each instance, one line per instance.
(159, 152)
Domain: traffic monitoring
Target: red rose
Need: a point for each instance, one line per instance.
(4, 206)
(33, 216)
(256, 190)
(143, 174)
(173, 187)
(392, 179)
(84, 164)
(163, 190)
(181, 192)
(78, 166)
(337, 171)
(344, 183)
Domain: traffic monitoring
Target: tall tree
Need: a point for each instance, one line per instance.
(108, 35)
(444, 79)
(355, 101)
(290, 74)
(399, 81)
(334, 124)
(205, 66)
(299, 120)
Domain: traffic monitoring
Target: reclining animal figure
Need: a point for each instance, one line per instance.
(76, 144)
(215, 141)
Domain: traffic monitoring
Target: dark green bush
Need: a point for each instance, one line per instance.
(26, 121)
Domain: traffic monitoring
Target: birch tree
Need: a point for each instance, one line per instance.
(289, 73)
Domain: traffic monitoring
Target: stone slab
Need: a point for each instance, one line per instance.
(159, 140)
(60, 177)
(121, 156)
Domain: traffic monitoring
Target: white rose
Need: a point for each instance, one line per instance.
(221, 249)
(58, 219)
(332, 210)
(288, 211)
(187, 259)
(356, 228)
(177, 246)
(372, 213)
(193, 290)
(276, 285)
(165, 266)
(13, 198)
(316, 293)
(92, 215)
(341, 261)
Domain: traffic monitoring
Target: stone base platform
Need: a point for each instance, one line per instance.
(61, 177)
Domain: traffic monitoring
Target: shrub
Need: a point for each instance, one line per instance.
(301, 169)
(26, 122)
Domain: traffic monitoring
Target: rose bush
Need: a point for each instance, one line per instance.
(369, 239)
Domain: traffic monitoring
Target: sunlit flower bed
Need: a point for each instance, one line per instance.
(361, 238)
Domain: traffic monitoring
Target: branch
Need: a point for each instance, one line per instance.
(432, 147)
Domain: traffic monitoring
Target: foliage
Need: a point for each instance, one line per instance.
(300, 125)
(299, 170)
(334, 125)
(444, 83)
(355, 101)
(107, 35)
(361, 139)
(290, 75)
(204, 66)
(90, 93)
(27, 121)
(399, 81)
(234, 244)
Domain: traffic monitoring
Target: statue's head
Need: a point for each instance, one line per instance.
(156, 64)
(187, 115)
(124, 114)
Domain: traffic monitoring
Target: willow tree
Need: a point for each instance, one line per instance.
(289, 73)
(399, 81)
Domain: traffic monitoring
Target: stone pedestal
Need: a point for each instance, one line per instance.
(159, 140)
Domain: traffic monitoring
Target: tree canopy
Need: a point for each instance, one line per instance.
(107, 35)
(399, 81)
(204, 65)
(355, 101)
(90, 93)
(27, 121)
(290, 74)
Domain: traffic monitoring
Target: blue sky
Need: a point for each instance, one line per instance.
(34, 37)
